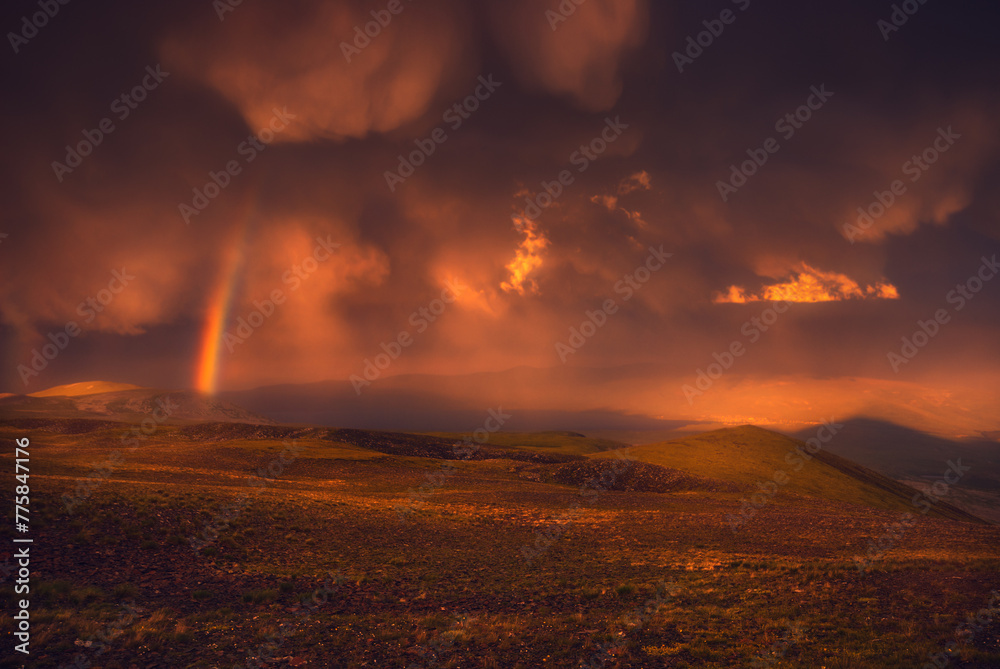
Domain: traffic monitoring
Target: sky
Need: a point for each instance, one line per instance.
(736, 211)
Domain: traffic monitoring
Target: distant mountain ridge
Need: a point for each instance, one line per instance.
(919, 460)
(744, 460)
(403, 403)
(125, 403)
(753, 457)
(84, 388)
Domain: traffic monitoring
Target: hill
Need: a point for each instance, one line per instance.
(752, 456)
(919, 460)
(84, 388)
(534, 551)
(427, 402)
(124, 403)
(566, 443)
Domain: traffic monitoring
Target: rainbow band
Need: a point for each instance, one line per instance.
(217, 315)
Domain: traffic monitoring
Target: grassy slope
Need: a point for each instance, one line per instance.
(563, 443)
(126, 405)
(84, 388)
(449, 587)
(748, 455)
(745, 455)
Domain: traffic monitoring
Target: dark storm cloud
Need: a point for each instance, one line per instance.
(351, 117)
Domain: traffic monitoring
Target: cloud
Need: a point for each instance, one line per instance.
(638, 181)
(292, 55)
(933, 172)
(91, 244)
(305, 56)
(527, 258)
(581, 57)
(653, 186)
(810, 285)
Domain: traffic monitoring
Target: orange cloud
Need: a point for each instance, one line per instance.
(527, 259)
(637, 181)
(609, 202)
(810, 285)
(266, 56)
(582, 58)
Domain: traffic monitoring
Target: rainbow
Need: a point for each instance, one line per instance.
(217, 315)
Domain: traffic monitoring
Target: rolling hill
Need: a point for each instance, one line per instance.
(124, 403)
(919, 460)
(84, 388)
(752, 456)
(221, 528)
(727, 460)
